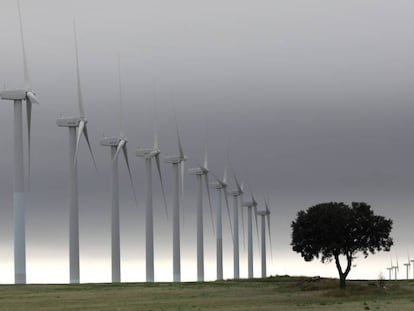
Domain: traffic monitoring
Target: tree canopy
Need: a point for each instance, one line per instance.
(330, 230)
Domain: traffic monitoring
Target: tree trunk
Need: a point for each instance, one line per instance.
(342, 283)
(343, 275)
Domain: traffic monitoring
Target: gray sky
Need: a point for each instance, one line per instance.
(314, 99)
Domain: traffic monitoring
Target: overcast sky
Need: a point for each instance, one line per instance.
(312, 99)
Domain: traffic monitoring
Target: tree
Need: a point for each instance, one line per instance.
(331, 230)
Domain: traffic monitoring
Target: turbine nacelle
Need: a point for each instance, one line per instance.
(249, 204)
(70, 122)
(175, 159)
(111, 141)
(198, 171)
(235, 192)
(147, 153)
(13, 94)
(216, 185)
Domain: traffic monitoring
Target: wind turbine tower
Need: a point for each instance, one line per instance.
(390, 272)
(407, 266)
(390, 269)
(265, 214)
(221, 186)
(396, 270)
(117, 145)
(18, 96)
(148, 155)
(177, 163)
(250, 204)
(77, 128)
(200, 172)
(236, 193)
(412, 260)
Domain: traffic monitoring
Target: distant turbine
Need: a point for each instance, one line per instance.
(77, 127)
(200, 172)
(412, 260)
(390, 268)
(407, 266)
(148, 155)
(265, 214)
(396, 270)
(178, 165)
(250, 204)
(117, 145)
(236, 193)
(221, 186)
(17, 96)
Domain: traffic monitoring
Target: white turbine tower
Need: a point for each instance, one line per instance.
(396, 270)
(412, 260)
(407, 266)
(77, 128)
(236, 193)
(250, 204)
(200, 172)
(390, 268)
(178, 165)
(265, 214)
(18, 96)
(117, 145)
(221, 186)
(148, 155)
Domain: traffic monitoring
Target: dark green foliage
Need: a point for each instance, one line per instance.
(329, 230)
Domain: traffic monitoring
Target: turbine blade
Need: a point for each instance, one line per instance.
(25, 67)
(180, 146)
(225, 175)
(182, 177)
(209, 201)
(121, 119)
(85, 133)
(242, 214)
(157, 161)
(81, 126)
(125, 152)
(216, 178)
(155, 134)
(237, 181)
(29, 126)
(228, 211)
(80, 101)
(32, 97)
(205, 158)
(257, 227)
(118, 149)
(270, 237)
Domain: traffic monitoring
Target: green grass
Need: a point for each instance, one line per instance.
(276, 293)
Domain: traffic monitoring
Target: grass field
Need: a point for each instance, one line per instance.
(278, 293)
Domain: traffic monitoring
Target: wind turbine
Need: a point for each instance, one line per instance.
(407, 266)
(117, 145)
(412, 260)
(221, 186)
(396, 270)
(77, 128)
(18, 96)
(200, 172)
(236, 193)
(265, 214)
(148, 155)
(177, 162)
(250, 204)
(390, 268)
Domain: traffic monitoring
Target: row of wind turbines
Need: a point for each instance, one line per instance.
(77, 127)
(394, 269)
